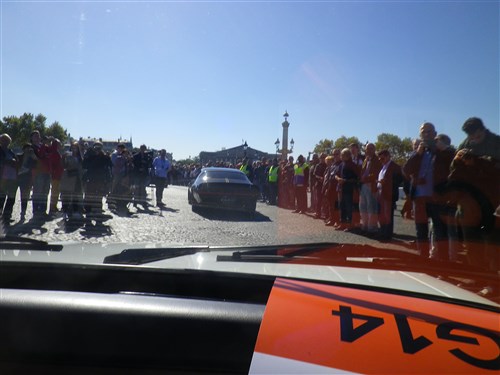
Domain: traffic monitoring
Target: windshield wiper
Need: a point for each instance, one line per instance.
(357, 256)
(23, 243)
(148, 255)
(276, 252)
(323, 253)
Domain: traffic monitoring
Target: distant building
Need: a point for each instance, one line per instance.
(110, 145)
(234, 155)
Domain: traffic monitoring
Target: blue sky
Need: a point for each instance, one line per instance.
(201, 76)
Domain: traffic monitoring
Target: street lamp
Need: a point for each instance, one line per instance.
(245, 147)
(284, 151)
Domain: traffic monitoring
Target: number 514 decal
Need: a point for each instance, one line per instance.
(410, 344)
(376, 332)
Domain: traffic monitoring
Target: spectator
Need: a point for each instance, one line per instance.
(330, 188)
(265, 182)
(289, 189)
(56, 172)
(97, 178)
(317, 188)
(246, 167)
(195, 171)
(425, 169)
(480, 140)
(161, 167)
(368, 204)
(41, 175)
(407, 210)
(357, 159)
(474, 190)
(300, 183)
(27, 161)
(8, 182)
(142, 165)
(347, 180)
(120, 189)
(273, 177)
(259, 178)
(389, 180)
(71, 184)
(312, 181)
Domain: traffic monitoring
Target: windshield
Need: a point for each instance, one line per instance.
(217, 174)
(358, 123)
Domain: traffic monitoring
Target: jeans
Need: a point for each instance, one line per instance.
(41, 187)
(368, 206)
(426, 209)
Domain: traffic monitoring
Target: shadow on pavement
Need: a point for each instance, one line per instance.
(214, 214)
(168, 209)
(148, 209)
(92, 226)
(32, 227)
(69, 226)
(96, 228)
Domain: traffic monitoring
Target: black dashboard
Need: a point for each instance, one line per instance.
(57, 318)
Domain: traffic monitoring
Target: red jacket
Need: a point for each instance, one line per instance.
(55, 162)
(42, 162)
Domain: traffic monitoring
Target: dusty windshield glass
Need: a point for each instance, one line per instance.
(357, 122)
(222, 175)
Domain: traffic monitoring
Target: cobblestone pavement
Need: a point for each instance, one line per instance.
(176, 224)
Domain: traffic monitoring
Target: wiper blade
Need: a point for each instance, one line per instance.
(23, 243)
(357, 256)
(148, 255)
(277, 252)
(322, 251)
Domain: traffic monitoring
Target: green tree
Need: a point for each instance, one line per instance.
(344, 142)
(400, 149)
(40, 123)
(325, 145)
(57, 131)
(20, 128)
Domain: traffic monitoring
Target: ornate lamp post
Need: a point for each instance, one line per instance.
(245, 148)
(284, 151)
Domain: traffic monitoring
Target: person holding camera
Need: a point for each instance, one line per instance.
(428, 168)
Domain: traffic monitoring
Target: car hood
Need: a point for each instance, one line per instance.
(204, 258)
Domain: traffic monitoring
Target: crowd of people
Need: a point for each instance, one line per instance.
(452, 195)
(79, 178)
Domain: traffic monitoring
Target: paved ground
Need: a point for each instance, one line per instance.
(176, 224)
